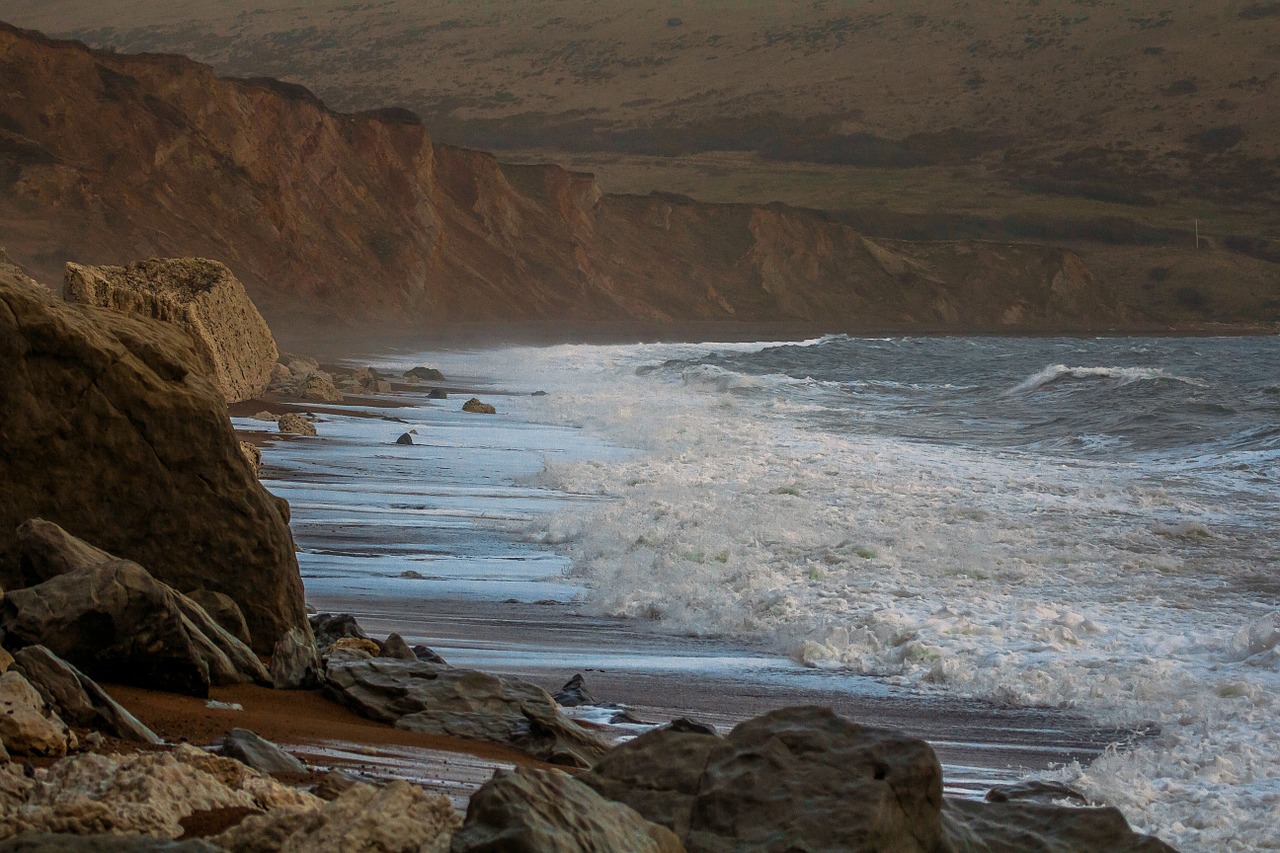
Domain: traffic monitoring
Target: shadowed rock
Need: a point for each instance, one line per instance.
(78, 698)
(100, 405)
(295, 662)
(424, 697)
(429, 374)
(27, 726)
(395, 647)
(257, 752)
(532, 811)
(224, 611)
(574, 693)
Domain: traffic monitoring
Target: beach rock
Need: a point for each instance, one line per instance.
(404, 438)
(574, 693)
(532, 811)
(810, 780)
(15, 784)
(147, 793)
(333, 783)
(1037, 791)
(280, 373)
(265, 416)
(356, 644)
(394, 818)
(119, 624)
(428, 655)
(296, 424)
(690, 726)
(476, 407)
(295, 663)
(380, 386)
(253, 455)
(224, 610)
(301, 366)
(318, 387)
(45, 551)
(329, 627)
(395, 647)
(437, 394)
(6, 659)
(425, 697)
(98, 404)
(77, 698)
(260, 754)
(54, 842)
(427, 374)
(27, 727)
(231, 340)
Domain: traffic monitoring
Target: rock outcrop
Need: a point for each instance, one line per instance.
(433, 699)
(201, 297)
(112, 431)
(805, 778)
(532, 811)
(362, 216)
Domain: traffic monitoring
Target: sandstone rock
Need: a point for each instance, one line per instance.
(318, 387)
(425, 697)
(532, 811)
(99, 404)
(147, 793)
(360, 644)
(405, 438)
(280, 373)
(423, 653)
(329, 627)
(331, 786)
(265, 416)
(253, 455)
(574, 693)
(428, 374)
(15, 785)
(224, 610)
(806, 779)
(260, 754)
(295, 663)
(296, 423)
(301, 366)
(380, 386)
(437, 394)
(6, 660)
(118, 623)
(395, 818)
(27, 727)
(45, 551)
(685, 724)
(50, 842)
(395, 647)
(77, 698)
(476, 407)
(202, 297)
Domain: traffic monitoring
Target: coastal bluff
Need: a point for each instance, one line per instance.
(113, 431)
(341, 219)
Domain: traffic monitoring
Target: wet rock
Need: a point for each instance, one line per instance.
(405, 438)
(428, 655)
(147, 793)
(265, 416)
(394, 817)
(50, 842)
(574, 693)
(531, 811)
(424, 697)
(412, 575)
(253, 455)
(690, 726)
(77, 698)
(27, 727)
(224, 610)
(437, 394)
(295, 662)
(118, 623)
(820, 782)
(427, 374)
(1034, 790)
(395, 647)
(202, 297)
(476, 407)
(257, 752)
(329, 627)
(98, 404)
(295, 423)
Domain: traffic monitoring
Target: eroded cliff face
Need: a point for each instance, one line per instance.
(106, 158)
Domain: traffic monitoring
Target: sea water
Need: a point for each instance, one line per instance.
(1084, 524)
(1087, 524)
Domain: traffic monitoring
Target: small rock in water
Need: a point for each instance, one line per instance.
(476, 407)
(574, 693)
(438, 394)
(538, 394)
(429, 374)
(412, 575)
(1036, 791)
(295, 423)
(404, 438)
(264, 416)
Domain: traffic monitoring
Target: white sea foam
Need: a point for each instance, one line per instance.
(1116, 588)
(1119, 375)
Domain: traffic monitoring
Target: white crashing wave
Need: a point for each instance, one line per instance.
(1119, 375)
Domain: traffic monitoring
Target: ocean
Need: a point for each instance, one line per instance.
(1083, 524)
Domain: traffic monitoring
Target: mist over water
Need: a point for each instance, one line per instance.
(1078, 523)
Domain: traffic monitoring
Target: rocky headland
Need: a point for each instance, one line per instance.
(349, 218)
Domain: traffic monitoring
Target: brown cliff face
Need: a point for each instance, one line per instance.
(104, 158)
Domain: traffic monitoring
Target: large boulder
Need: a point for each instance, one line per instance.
(112, 430)
(807, 779)
(201, 297)
(77, 698)
(532, 811)
(426, 697)
(120, 624)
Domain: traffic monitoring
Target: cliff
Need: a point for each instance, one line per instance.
(106, 157)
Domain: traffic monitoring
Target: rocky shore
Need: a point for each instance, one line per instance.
(141, 558)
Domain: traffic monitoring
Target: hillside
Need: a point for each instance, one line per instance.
(1110, 128)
